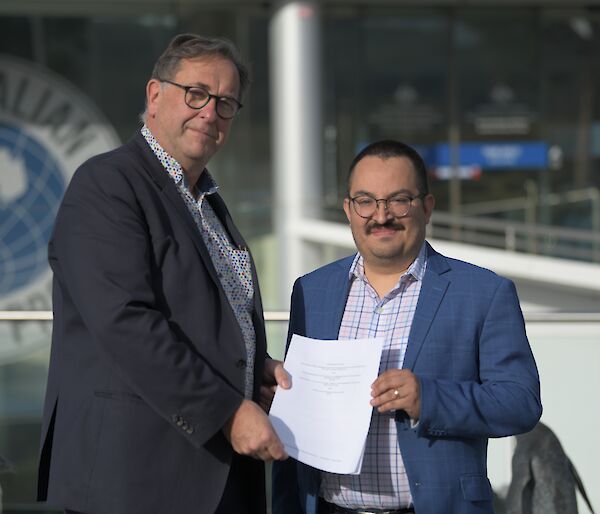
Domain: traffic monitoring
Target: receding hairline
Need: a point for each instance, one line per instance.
(192, 47)
(208, 58)
(189, 46)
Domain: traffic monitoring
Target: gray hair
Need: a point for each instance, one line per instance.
(192, 46)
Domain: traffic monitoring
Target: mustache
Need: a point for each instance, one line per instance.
(390, 224)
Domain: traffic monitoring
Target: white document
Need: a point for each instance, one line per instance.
(323, 420)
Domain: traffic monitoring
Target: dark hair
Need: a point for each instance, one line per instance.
(387, 149)
(192, 46)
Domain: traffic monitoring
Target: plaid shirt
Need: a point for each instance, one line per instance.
(382, 482)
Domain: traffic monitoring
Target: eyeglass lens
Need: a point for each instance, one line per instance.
(397, 206)
(197, 98)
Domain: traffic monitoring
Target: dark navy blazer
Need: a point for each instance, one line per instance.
(148, 360)
(477, 377)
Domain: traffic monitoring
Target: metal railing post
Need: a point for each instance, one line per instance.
(595, 201)
(531, 215)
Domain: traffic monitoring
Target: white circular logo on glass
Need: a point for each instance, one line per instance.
(30, 190)
(47, 129)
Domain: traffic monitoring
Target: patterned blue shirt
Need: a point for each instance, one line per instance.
(382, 482)
(233, 264)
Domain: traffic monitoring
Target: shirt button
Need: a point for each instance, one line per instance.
(241, 363)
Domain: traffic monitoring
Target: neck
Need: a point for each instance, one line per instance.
(384, 278)
(192, 175)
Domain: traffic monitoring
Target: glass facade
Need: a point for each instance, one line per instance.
(386, 77)
(22, 386)
(512, 88)
(517, 114)
(508, 96)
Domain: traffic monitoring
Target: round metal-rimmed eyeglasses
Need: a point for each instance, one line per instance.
(197, 97)
(397, 205)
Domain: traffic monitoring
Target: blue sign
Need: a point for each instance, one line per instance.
(493, 156)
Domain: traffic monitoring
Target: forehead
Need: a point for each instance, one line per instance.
(210, 70)
(384, 174)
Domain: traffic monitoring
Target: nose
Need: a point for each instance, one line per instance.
(381, 214)
(209, 111)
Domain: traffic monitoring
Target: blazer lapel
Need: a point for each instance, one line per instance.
(333, 302)
(341, 282)
(433, 290)
(218, 205)
(222, 213)
(174, 197)
(169, 190)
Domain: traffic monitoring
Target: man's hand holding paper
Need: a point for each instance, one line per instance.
(397, 389)
(323, 419)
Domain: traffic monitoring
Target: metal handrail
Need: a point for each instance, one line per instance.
(510, 235)
(487, 207)
(560, 317)
(25, 315)
(573, 234)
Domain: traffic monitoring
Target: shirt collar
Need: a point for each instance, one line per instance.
(416, 269)
(206, 184)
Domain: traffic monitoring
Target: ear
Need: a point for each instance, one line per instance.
(428, 205)
(347, 208)
(153, 95)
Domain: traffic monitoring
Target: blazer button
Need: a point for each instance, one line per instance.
(241, 363)
(179, 421)
(190, 430)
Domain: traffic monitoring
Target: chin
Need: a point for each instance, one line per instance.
(202, 151)
(388, 257)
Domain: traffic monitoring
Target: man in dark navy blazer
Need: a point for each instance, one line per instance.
(158, 350)
(456, 367)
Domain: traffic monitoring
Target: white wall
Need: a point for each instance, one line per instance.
(568, 359)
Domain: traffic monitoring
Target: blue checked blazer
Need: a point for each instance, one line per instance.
(477, 378)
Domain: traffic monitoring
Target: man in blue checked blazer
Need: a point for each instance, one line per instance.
(456, 369)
